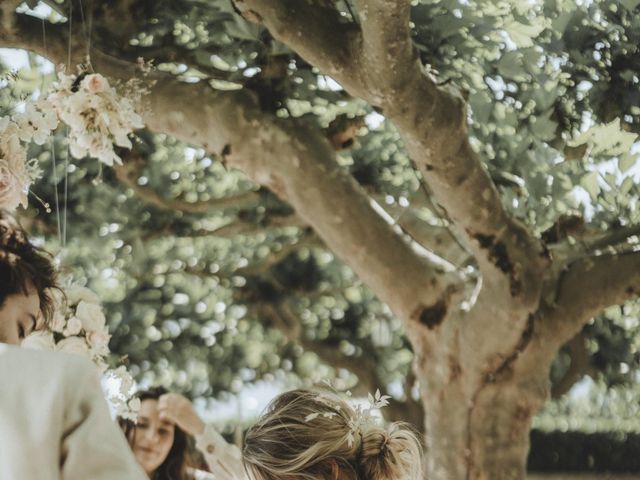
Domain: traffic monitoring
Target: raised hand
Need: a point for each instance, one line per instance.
(179, 410)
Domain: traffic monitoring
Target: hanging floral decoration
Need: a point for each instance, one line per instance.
(16, 173)
(79, 327)
(97, 116)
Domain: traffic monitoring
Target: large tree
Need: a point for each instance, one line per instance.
(468, 160)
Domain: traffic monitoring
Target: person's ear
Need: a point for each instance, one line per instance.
(335, 470)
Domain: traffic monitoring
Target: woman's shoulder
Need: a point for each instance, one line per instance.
(195, 474)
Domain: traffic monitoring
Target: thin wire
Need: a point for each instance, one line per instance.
(70, 25)
(90, 29)
(87, 33)
(66, 191)
(66, 158)
(53, 146)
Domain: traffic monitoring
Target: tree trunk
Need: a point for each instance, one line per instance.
(482, 437)
(478, 412)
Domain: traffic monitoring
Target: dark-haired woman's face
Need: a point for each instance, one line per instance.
(18, 316)
(152, 437)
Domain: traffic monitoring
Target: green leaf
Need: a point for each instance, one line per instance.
(626, 161)
(590, 183)
(626, 186)
(630, 4)
(522, 34)
(510, 65)
(543, 127)
(608, 139)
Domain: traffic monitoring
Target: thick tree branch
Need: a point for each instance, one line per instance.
(7, 13)
(613, 238)
(295, 162)
(281, 317)
(578, 368)
(585, 288)
(129, 172)
(436, 238)
(433, 123)
(229, 230)
(320, 34)
(309, 239)
(387, 41)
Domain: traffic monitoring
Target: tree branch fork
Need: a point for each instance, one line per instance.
(286, 158)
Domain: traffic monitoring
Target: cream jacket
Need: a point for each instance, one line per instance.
(55, 423)
(224, 459)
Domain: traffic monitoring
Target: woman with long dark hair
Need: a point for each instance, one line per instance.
(159, 445)
(159, 439)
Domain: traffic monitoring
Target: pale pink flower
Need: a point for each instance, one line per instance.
(59, 322)
(93, 320)
(74, 327)
(97, 116)
(95, 83)
(99, 340)
(36, 122)
(76, 293)
(73, 345)
(39, 340)
(15, 177)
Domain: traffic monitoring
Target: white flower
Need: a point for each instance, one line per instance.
(126, 380)
(120, 388)
(36, 122)
(58, 322)
(39, 340)
(311, 416)
(73, 345)
(99, 342)
(95, 83)
(97, 116)
(93, 320)
(101, 364)
(15, 174)
(74, 326)
(134, 404)
(127, 409)
(76, 293)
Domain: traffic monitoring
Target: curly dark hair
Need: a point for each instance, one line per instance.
(178, 460)
(24, 266)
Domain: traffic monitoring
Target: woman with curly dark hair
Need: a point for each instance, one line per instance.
(27, 275)
(52, 406)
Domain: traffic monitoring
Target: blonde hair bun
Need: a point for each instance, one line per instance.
(308, 434)
(390, 453)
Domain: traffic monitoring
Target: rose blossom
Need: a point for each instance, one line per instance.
(59, 322)
(91, 315)
(99, 342)
(39, 340)
(73, 345)
(76, 293)
(36, 122)
(14, 176)
(74, 325)
(95, 83)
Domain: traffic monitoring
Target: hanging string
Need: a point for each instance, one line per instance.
(66, 158)
(70, 31)
(87, 31)
(52, 145)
